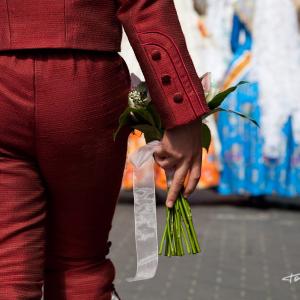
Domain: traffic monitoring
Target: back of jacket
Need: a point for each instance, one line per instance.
(84, 24)
(153, 30)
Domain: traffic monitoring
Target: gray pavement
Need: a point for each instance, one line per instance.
(245, 254)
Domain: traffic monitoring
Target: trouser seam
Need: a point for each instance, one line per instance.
(34, 107)
(8, 20)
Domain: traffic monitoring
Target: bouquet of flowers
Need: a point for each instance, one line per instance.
(179, 233)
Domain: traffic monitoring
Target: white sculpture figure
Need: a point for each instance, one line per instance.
(219, 23)
(276, 59)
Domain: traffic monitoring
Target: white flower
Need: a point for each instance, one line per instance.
(138, 97)
(137, 100)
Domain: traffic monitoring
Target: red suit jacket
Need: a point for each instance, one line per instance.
(153, 30)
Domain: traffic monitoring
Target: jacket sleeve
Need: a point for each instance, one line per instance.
(154, 32)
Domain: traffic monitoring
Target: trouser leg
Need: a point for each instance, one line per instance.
(79, 100)
(22, 193)
(22, 213)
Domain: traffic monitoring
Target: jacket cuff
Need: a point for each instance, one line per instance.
(176, 92)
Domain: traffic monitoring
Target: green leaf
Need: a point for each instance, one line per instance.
(151, 133)
(219, 109)
(124, 119)
(242, 115)
(213, 111)
(206, 136)
(143, 115)
(219, 98)
(155, 115)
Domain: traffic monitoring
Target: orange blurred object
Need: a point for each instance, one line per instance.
(203, 28)
(135, 141)
(210, 174)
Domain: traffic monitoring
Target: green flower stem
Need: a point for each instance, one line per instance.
(181, 251)
(166, 237)
(177, 237)
(192, 237)
(175, 240)
(171, 229)
(190, 218)
(170, 248)
(167, 249)
(163, 241)
(179, 230)
(188, 249)
(187, 225)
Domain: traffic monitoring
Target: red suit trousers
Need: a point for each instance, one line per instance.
(60, 171)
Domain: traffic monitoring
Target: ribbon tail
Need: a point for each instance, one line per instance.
(145, 212)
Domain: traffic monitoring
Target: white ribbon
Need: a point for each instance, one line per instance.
(145, 211)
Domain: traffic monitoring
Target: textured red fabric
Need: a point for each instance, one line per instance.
(151, 25)
(60, 171)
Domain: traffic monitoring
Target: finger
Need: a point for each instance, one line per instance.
(194, 176)
(177, 183)
(166, 163)
(161, 153)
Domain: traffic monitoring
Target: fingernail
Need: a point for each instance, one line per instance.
(170, 204)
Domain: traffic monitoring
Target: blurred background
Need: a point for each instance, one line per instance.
(247, 203)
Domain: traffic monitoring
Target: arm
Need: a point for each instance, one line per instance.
(156, 37)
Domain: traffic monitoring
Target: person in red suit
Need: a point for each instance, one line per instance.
(63, 86)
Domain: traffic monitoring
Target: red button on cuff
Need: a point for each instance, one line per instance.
(156, 55)
(166, 79)
(178, 98)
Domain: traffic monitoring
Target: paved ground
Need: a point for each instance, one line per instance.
(246, 253)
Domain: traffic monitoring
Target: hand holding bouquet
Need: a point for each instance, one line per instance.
(179, 233)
